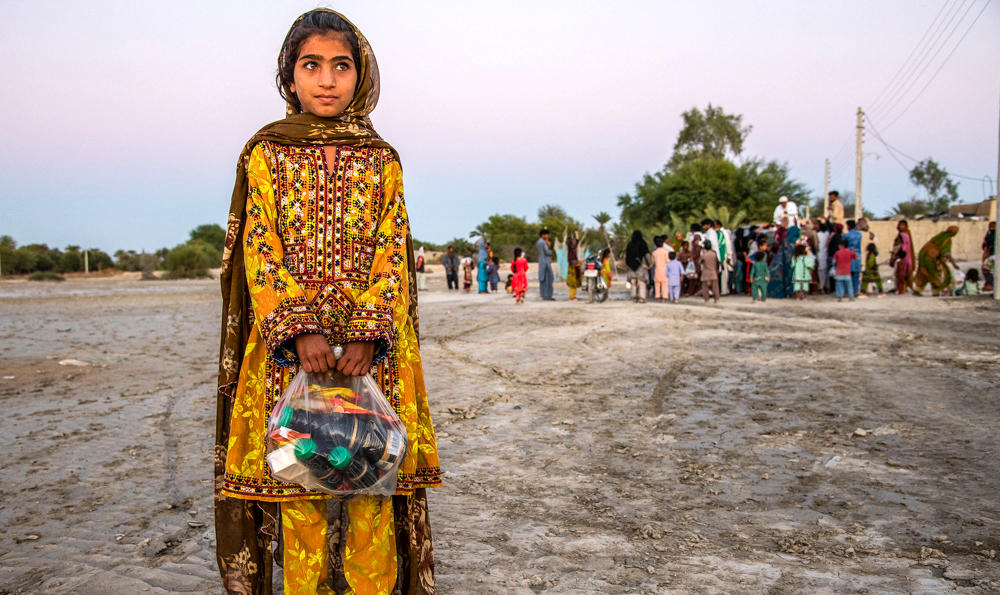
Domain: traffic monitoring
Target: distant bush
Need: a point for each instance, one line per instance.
(212, 234)
(191, 260)
(45, 276)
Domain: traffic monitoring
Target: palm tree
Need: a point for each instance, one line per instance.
(477, 233)
(729, 220)
(602, 219)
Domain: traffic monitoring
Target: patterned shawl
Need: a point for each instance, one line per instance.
(238, 523)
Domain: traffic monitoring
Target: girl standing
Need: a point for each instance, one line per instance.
(606, 273)
(318, 252)
(871, 274)
(493, 271)
(802, 267)
(421, 279)
(519, 285)
(466, 274)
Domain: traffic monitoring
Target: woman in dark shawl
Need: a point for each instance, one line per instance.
(637, 260)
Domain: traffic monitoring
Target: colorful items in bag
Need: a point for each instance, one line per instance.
(343, 446)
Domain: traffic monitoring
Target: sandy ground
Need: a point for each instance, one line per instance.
(608, 448)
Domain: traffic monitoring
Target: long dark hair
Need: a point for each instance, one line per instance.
(314, 22)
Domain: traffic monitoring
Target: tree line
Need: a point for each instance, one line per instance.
(706, 177)
(193, 258)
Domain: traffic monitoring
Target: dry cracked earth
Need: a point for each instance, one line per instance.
(608, 448)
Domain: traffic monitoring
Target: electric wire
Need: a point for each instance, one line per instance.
(896, 77)
(931, 53)
(893, 151)
(941, 66)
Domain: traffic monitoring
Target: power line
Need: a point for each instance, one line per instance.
(936, 72)
(931, 52)
(892, 150)
(873, 105)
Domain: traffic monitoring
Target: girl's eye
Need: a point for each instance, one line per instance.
(310, 65)
(343, 66)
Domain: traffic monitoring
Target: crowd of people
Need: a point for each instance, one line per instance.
(787, 257)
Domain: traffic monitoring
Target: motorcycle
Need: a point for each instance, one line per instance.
(597, 289)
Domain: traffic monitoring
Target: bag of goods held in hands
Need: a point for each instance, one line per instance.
(336, 434)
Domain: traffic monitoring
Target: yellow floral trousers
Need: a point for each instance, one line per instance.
(369, 552)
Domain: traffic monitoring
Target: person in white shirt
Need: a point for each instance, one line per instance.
(724, 248)
(786, 208)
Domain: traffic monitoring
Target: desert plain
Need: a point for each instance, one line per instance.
(780, 447)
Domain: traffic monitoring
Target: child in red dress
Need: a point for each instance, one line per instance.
(520, 269)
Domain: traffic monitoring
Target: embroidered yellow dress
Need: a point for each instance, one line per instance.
(325, 252)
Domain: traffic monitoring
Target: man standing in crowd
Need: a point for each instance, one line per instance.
(835, 212)
(544, 265)
(724, 244)
(786, 208)
(854, 239)
(451, 263)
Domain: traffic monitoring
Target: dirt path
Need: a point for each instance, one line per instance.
(605, 448)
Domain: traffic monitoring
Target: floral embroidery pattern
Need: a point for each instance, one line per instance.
(325, 253)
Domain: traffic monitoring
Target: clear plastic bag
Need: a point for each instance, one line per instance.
(336, 434)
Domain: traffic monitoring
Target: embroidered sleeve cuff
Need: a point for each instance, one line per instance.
(289, 320)
(370, 322)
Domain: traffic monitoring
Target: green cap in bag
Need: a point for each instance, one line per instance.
(285, 417)
(339, 457)
(305, 448)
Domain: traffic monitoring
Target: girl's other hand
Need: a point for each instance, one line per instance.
(357, 358)
(314, 353)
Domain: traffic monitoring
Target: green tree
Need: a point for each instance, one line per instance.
(687, 189)
(556, 220)
(712, 133)
(603, 218)
(729, 220)
(127, 260)
(940, 188)
(71, 261)
(912, 208)
(506, 232)
(43, 257)
(7, 249)
(212, 234)
(190, 260)
(99, 259)
(462, 246)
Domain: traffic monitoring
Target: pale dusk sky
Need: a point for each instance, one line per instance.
(123, 120)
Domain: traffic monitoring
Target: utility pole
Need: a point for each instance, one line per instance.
(858, 211)
(86, 263)
(826, 187)
(996, 236)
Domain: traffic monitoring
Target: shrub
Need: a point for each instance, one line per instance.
(45, 276)
(190, 261)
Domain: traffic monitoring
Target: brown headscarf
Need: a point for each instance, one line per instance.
(250, 525)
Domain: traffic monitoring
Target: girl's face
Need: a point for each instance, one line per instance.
(325, 75)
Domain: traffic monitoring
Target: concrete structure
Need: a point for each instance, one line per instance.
(967, 245)
(979, 209)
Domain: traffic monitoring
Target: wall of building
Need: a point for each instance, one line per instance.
(967, 245)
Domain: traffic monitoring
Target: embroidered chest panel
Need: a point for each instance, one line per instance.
(328, 217)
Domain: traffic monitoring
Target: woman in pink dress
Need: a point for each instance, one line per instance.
(902, 255)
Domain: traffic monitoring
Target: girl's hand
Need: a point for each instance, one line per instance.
(314, 353)
(357, 358)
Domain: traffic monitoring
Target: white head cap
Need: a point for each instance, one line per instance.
(783, 199)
